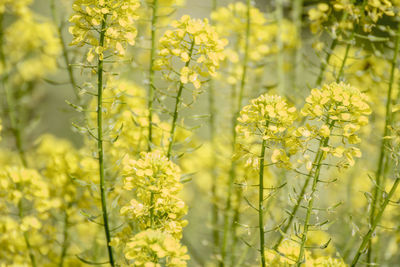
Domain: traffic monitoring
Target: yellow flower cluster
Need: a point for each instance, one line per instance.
(365, 13)
(19, 7)
(269, 118)
(32, 49)
(151, 247)
(113, 18)
(18, 183)
(230, 22)
(343, 110)
(60, 163)
(155, 180)
(287, 256)
(191, 41)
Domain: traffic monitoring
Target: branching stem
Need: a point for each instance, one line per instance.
(388, 122)
(103, 190)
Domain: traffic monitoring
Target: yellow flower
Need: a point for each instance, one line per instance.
(343, 110)
(269, 118)
(119, 17)
(230, 23)
(194, 42)
(155, 180)
(32, 49)
(18, 7)
(148, 248)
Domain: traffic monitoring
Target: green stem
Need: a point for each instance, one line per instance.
(317, 165)
(346, 55)
(154, 19)
(260, 203)
(325, 64)
(232, 171)
(388, 122)
(151, 210)
(26, 237)
(294, 211)
(100, 144)
(65, 54)
(177, 104)
(377, 219)
(309, 208)
(65, 244)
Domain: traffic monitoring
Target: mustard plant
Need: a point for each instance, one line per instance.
(191, 41)
(342, 109)
(107, 27)
(156, 210)
(267, 119)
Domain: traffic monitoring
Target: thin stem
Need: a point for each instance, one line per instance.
(294, 211)
(26, 237)
(346, 55)
(65, 244)
(232, 171)
(378, 217)
(388, 122)
(154, 19)
(177, 103)
(317, 163)
(100, 144)
(65, 53)
(260, 203)
(325, 63)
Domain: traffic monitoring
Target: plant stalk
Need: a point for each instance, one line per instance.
(260, 204)
(100, 149)
(382, 154)
(65, 244)
(177, 104)
(378, 217)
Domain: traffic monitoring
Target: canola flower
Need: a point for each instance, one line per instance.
(193, 41)
(45, 217)
(107, 27)
(267, 118)
(155, 248)
(18, 7)
(155, 182)
(264, 33)
(366, 14)
(32, 49)
(91, 17)
(341, 111)
(26, 203)
(288, 251)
